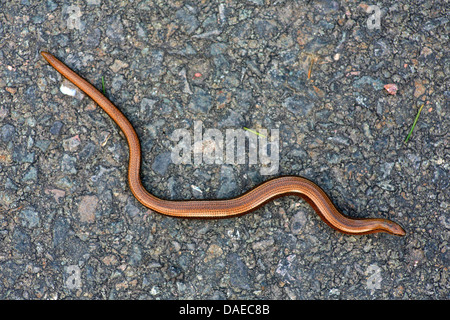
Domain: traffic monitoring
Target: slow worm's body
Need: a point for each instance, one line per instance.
(243, 204)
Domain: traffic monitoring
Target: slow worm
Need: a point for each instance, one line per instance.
(245, 203)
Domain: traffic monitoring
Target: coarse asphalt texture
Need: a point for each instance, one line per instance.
(341, 82)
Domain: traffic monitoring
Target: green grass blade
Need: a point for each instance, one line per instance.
(255, 132)
(414, 124)
(103, 85)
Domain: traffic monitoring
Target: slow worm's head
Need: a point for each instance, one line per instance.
(383, 225)
(394, 228)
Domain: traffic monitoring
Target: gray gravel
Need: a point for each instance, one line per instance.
(69, 225)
